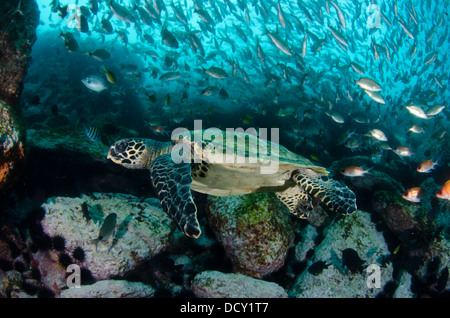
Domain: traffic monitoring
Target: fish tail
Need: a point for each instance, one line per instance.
(439, 160)
(367, 171)
(95, 241)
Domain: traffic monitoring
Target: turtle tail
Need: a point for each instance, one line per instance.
(336, 196)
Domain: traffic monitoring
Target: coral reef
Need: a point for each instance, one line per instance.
(327, 261)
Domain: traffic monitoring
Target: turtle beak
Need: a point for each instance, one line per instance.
(110, 153)
(113, 156)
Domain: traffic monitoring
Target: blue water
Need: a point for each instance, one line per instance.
(320, 85)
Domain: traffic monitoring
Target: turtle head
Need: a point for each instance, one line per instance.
(131, 153)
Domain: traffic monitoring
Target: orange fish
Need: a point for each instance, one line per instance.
(353, 171)
(444, 193)
(414, 194)
(426, 166)
(160, 130)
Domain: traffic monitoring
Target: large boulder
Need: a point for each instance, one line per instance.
(214, 284)
(397, 214)
(142, 231)
(255, 230)
(338, 267)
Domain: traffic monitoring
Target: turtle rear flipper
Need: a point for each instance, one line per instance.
(336, 196)
(172, 182)
(297, 201)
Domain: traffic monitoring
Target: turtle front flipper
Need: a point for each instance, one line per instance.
(172, 182)
(336, 196)
(297, 201)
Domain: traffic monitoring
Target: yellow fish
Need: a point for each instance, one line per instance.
(109, 75)
(247, 119)
(316, 158)
(167, 99)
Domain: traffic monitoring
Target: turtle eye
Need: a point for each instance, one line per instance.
(120, 147)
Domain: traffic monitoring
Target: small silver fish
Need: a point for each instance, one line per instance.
(94, 83)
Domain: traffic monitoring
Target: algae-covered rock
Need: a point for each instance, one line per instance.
(255, 230)
(346, 241)
(17, 35)
(398, 214)
(67, 139)
(11, 145)
(214, 284)
(142, 231)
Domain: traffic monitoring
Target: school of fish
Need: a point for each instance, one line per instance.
(376, 72)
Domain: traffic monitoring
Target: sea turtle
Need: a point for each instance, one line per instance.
(228, 163)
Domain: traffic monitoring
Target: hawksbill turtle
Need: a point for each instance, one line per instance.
(201, 163)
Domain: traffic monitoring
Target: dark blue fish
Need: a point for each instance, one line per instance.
(318, 267)
(352, 261)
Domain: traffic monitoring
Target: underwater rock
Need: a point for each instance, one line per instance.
(11, 283)
(439, 254)
(255, 230)
(110, 289)
(397, 213)
(67, 139)
(11, 145)
(404, 286)
(308, 235)
(17, 35)
(62, 161)
(214, 284)
(354, 233)
(142, 230)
